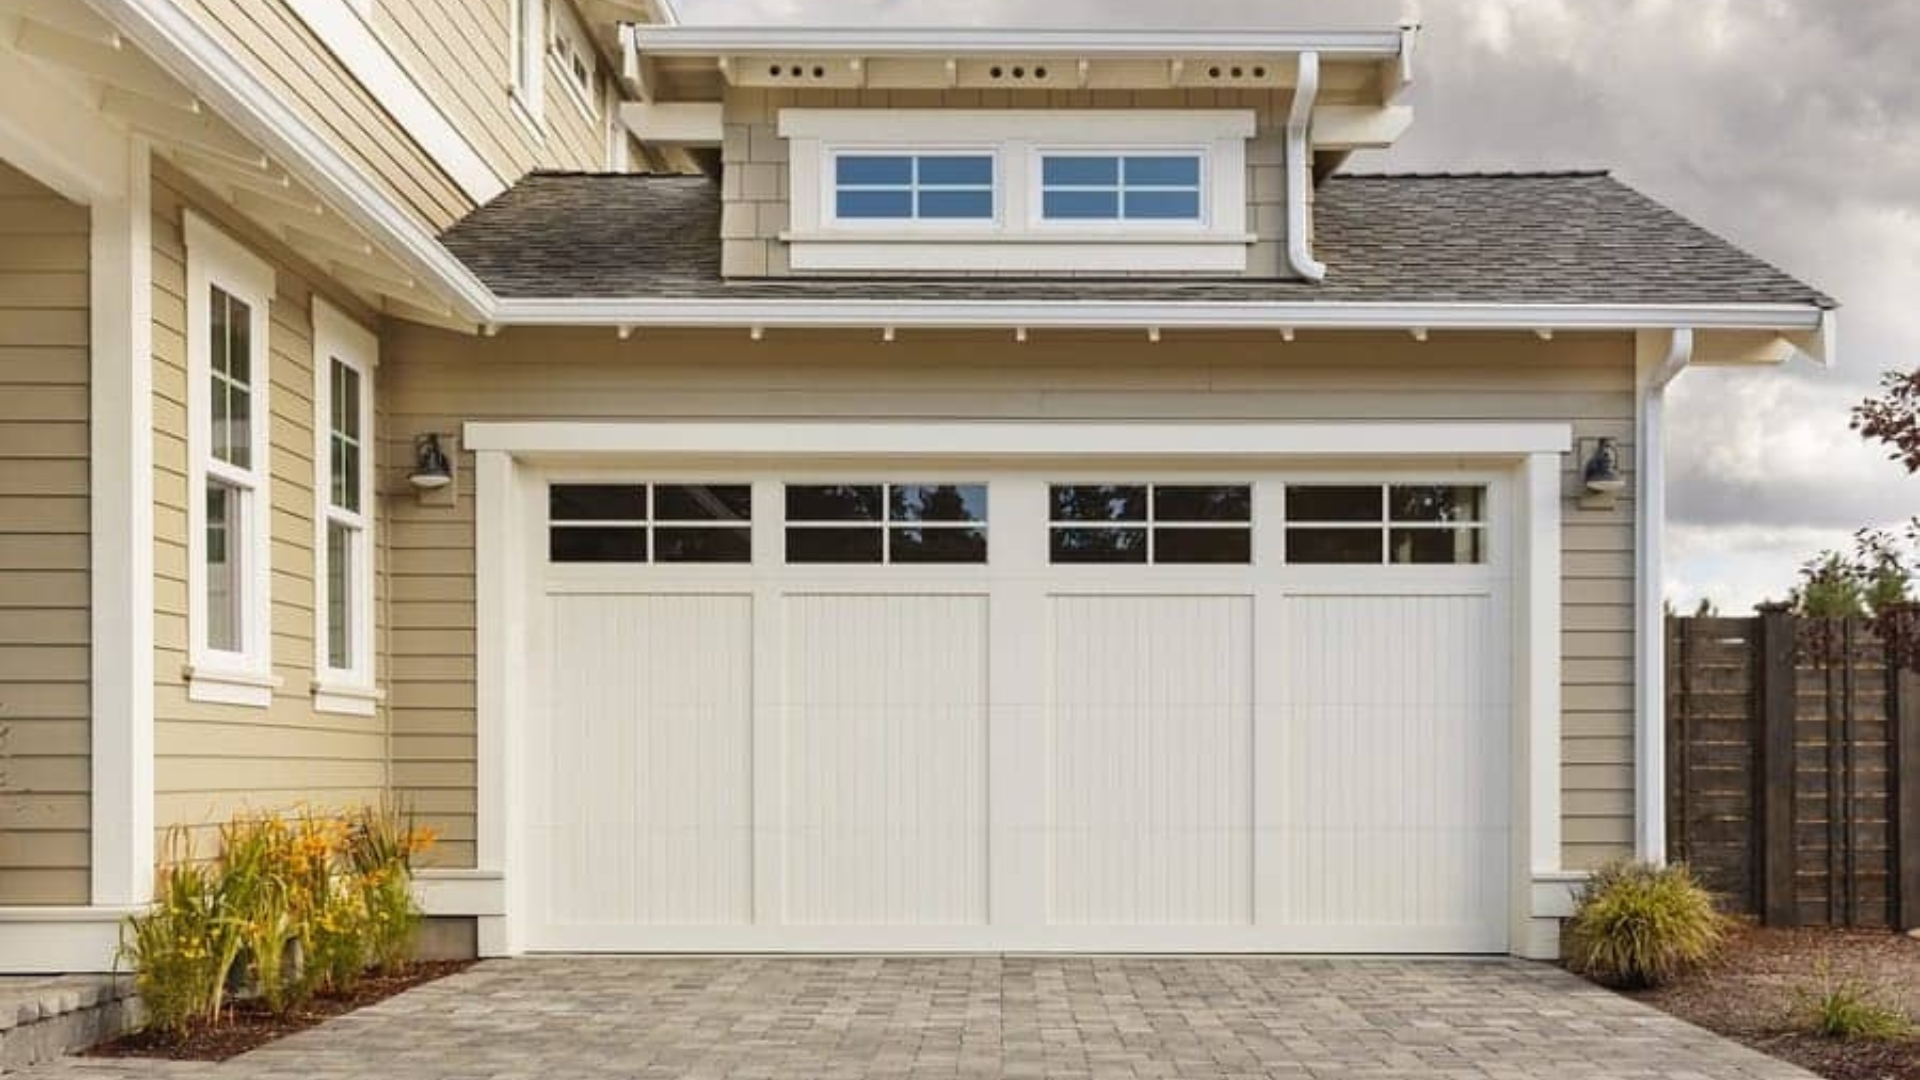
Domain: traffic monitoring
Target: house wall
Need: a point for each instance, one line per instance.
(436, 381)
(461, 53)
(754, 183)
(44, 545)
(212, 760)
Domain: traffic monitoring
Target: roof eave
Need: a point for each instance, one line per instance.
(699, 41)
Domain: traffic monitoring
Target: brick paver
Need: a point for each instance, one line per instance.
(909, 1018)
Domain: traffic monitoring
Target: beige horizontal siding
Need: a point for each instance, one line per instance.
(212, 761)
(277, 48)
(436, 381)
(45, 711)
(460, 53)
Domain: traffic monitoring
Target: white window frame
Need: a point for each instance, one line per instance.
(349, 690)
(1039, 222)
(563, 24)
(1019, 238)
(526, 63)
(987, 226)
(216, 260)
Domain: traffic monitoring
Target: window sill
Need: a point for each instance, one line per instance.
(227, 686)
(1028, 253)
(346, 699)
(935, 237)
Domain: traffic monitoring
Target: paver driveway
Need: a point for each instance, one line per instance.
(587, 1019)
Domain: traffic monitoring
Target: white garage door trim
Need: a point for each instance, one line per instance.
(1527, 455)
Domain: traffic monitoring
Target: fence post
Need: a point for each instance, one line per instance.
(1775, 690)
(1905, 715)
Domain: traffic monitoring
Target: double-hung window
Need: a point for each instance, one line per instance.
(344, 356)
(1095, 187)
(229, 493)
(913, 187)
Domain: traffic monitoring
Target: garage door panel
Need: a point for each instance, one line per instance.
(649, 761)
(886, 750)
(1394, 736)
(1151, 722)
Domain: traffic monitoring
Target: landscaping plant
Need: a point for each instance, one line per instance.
(1638, 925)
(183, 949)
(382, 845)
(1850, 1009)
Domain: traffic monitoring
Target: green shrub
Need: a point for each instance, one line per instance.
(1850, 1009)
(183, 949)
(382, 844)
(1639, 925)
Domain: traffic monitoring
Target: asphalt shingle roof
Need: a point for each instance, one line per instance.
(1506, 238)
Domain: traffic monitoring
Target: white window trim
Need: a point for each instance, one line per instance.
(215, 259)
(562, 19)
(919, 228)
(1018, 238)
(527, 66)
(1209, 210)
(348, 690)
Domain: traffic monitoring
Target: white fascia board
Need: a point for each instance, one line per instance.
(176, 40)
(1089, 315)
(1006, 439)
(351, 41)
(736, 40)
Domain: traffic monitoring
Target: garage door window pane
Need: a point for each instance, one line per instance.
(681, 544)
(1438, 547)
(835, 502)
(702, 502)
(938, 502)
(1317, 502)
(1437, 502)
(914, 544)
(1202, 546)
(834, 544)
(1099, 502)
(1333, 546)
(1127, 545)
(597, 502)
(598, 544)
(1230, 502)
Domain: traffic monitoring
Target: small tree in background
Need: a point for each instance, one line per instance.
(1894, 417)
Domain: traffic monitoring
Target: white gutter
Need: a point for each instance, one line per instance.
(1650, 661)
(705, 41)
(1094, 314)
(1299, 167)
(178, 43)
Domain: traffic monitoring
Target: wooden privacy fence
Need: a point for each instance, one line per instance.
(1793, 768)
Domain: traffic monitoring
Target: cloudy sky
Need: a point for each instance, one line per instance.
(1788, 125)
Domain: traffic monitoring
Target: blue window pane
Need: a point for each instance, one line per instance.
(1081, 205)
(950, 171)
(875, 204)
(1163, 172)
(873, 170)
(960, 205)
(1080, 171)
(1163, 205)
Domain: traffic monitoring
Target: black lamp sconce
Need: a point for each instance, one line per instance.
(432, 474)
(1600, 475)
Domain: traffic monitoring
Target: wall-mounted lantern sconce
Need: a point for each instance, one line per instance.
(431, 469)
(1601, 480)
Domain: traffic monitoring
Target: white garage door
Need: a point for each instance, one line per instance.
(1021, 709)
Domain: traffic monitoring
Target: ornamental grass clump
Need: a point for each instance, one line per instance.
(1639, 926)
(295, 905)
(1850, 1009)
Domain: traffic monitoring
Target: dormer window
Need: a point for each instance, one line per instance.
(1121, 187)
(1012, 190)
(913, 187)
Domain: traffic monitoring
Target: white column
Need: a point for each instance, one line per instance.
(1018, 810)
(1660, 356)
(120, 481)
(1536, 808)
(502, 654)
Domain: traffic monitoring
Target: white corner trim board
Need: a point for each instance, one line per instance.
(346, 34)
(1660, 358)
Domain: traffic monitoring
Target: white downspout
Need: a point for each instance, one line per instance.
(1657, 370)
(1299, 167)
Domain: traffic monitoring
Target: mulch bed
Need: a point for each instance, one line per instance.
(1754, 990)
(247, 1025)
